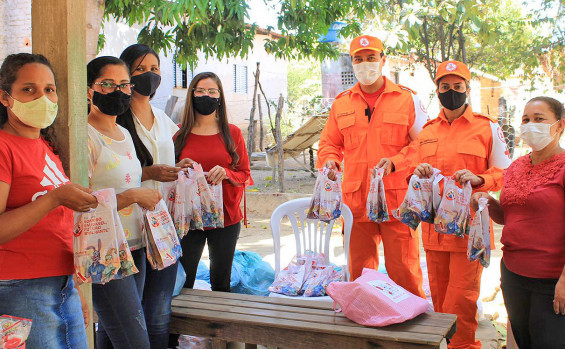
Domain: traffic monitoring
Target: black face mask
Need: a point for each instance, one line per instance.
(114, 103)
(147, 83)
(206, 105)
(452, 100)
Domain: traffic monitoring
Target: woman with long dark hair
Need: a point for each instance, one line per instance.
(36, 209)
(152, 133)
(114, 164)
(206, 137)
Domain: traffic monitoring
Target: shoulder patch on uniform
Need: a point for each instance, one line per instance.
(489, 117)
(407, 89)
(343, 94)
(431, 121)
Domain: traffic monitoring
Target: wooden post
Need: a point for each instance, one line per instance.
(59, 33)
(279, 143)
(260, 123)
(251, 128)
(312, 167)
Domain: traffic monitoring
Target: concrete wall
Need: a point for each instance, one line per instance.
(118, 37)
(273, 77)
(273, 73)
(15, 27)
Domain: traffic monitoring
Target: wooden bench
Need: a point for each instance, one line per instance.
(294, 323)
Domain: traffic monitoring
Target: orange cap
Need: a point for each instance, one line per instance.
(365, 42)
(452, 67)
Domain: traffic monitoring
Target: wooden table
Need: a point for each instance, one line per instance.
(294, 323)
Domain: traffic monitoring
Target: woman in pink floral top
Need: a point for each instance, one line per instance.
(532, 210)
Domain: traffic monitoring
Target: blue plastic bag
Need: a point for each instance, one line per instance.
(202, 273)
(250, 274)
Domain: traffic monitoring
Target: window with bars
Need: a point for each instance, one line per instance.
(347, 79)
(239, 78)
(182, 76)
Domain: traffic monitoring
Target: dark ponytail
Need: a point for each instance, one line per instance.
(129, 56)
(9, 73)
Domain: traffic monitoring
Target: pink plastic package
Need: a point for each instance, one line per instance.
(374, 299)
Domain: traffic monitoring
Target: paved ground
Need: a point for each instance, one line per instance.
(263, 198)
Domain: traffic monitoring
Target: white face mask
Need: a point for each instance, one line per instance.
(367, 72)
(537, 134)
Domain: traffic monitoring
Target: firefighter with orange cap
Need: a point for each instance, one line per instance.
(471, 148)
(374, 119)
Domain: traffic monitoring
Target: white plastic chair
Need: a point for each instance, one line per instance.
(312, 234)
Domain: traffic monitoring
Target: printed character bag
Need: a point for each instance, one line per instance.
(327, 198)
(421, 201)
(95, 241)
(290, 280)
(479, 235)
(182, 203)
(163, 246)
(14, 332)
(217, 205)
(453, 213)
(377, 209)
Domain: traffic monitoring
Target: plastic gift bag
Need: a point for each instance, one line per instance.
(169, 194)
(479, 235)
(206, 200)
(453, 213)
(192, 342)
(217, 204)
(98, 238)
(377, 209)
(421, 201)
(14, 332)
(182, 203)
(289, 281)
(314, 209)
(319, 279)
(374, 299)
(163, 246)
(327, 197)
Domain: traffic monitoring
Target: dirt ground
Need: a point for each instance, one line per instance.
(263, 197)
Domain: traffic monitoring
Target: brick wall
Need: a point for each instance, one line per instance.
(490, 93)
(15, 27)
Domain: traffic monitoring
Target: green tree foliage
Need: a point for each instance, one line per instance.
(493, 36)
(219, 28)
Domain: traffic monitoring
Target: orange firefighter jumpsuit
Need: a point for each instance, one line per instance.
(396, 119)
(476, 143)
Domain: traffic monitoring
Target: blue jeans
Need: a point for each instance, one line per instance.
(54, 306)
(134, 312)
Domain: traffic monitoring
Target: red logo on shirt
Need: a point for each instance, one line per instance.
(500, 135)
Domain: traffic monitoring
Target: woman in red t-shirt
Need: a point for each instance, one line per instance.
(36, 209)
(206, 137)
(531, 208)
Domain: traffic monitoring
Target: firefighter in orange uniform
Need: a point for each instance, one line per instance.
(471, 148)
(374, 119)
